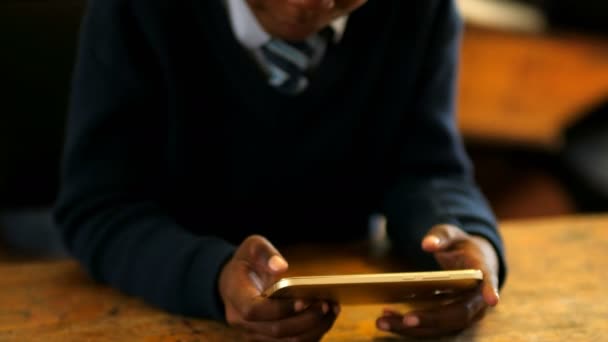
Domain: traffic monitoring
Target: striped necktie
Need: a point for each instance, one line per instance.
(289, 63)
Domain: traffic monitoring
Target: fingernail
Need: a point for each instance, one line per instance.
(276, 263)
(383, 325)
(337, 310)
(433, 239)
(411, 320)
(299, 306)
(497, 294)
(325, 308)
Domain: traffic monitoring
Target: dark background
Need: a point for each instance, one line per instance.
(38, 40)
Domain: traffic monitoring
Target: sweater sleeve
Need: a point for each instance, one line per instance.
(435, 183)
(115, 176)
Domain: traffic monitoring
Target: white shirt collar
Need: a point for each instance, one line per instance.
(252, 35)
(339, 26)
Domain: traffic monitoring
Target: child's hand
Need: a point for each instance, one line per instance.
(453, 249)
(255, 266)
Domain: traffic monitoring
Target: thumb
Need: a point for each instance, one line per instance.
(265, 262)
(442, 237)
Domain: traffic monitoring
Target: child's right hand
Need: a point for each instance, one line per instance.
(256, 265)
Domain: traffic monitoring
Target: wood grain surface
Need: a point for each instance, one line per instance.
(525, 89)
(555, 292)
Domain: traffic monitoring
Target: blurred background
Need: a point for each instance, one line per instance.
(533, 108)
(534, 104)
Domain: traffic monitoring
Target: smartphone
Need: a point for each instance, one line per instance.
(378, 288)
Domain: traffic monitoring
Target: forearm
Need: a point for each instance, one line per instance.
(414, 205)
(116, 173)
(433, 183)
(134, 247)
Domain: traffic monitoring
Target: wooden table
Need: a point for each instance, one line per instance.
(525, 89)
(556, 291)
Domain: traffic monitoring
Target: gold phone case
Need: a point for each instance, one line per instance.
(378, 288)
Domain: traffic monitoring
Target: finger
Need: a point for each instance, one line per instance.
(246, 297)
(489, 288)
(387, 312)
(480, 315)
(263, 309)
(470, 258)
(296, 325)
(441, 237)
(440, 321)
(263, 262)
(252, 306)
(319, 331)
(453, 316)
(262, 254)
(463, 259)
(314, 335)
(489, 267)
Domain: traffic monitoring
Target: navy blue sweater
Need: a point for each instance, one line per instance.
(177, 148)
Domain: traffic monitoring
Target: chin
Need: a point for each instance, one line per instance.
(296, 32)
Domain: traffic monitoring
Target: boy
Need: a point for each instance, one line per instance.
(195, 124)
